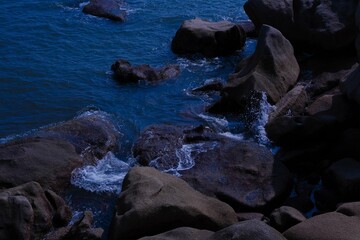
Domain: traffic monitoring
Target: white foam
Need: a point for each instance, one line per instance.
(106, 176)
(263, 116)
(238, 136)
(217, 124)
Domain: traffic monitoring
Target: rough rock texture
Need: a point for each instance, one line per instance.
(27, 212)
(326, 24)
(252, 229)
(344, 176)
(240, 173)
(49, 162)
(351, 86)
(93, 134)
(183, 233)
(209, 38)
(152, 202)
(334, 226)
(106, 9)
(272, 69)
(80, 230)
(285, 217)
(349, 209)
(124, 72)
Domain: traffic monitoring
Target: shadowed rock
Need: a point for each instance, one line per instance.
(106, 8)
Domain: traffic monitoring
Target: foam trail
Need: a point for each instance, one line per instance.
(217, 124)
(263, 116)
(106, 176)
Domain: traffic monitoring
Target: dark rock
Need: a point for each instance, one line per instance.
(249, 28)
(285, 217)
(93, 134)
(344, 176)
(124, 72)
(253, 229)
(214, 86)
(49, 162)
(322, 24)
(272, 69)
(106, 8)
(26, 212)
(63, 214)
(302, 203)
(349, 209)
(326, 226)
(357, 22)
(245, 216)
(209, 38)
(240, 173)
(347, 145)
(183, 233)
(351, 86)
(152, 202)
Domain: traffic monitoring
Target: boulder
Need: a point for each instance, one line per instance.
(323, 24)
(351, 86)
(245, 216)
(357, 22)
(349, 209)
(209, 38)
(240, 173)
(26, 212)
(249, 28)
(344, 176)
(272, 69)
(326, 226)
(152, 202)
(182, 233)
(213, 86)
(124, 72)
(110, 9)
(81, 230)
(285, 217)
(47, 161)
(252, 229)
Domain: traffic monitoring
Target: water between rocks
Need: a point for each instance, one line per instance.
(55, 64)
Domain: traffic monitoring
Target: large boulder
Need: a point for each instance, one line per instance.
(209, 38)
(351, 86)
(322, 24)
(182, 233)
(152, 202)
(124, 72)
(27, 212)
(272, 69)
(240, 173)
(333, 225)
(110, 9)
(285, 217)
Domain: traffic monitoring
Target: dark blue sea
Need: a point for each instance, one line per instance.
(55, 64)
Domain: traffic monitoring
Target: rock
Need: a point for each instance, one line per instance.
(124, 72)
(272, 69)
(349, 209)
(245, 216)
(80, 230)
(49, 162)
(249, 28)
(26, 212)
(252, 229)
(285, 217)
(105, 8)
(63, 214)
(93, 134)
(351, 86)
(326, 199)
(347, 145)
(209, 38)
(357, 22)
(327, 25)
(324, 227)
(182, 233)
(344, 176)
(240, 173)
(293, 103)
(152, 202)
(214, 86)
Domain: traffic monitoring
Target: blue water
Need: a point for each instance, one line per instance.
(55, 63)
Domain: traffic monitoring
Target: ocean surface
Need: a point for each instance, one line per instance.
(55, 65)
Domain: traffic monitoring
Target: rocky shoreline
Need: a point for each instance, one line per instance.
(191, 182)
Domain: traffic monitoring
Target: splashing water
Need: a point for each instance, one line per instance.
(262, 118)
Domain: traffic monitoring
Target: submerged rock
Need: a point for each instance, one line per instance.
(240, 173)
(209, 38)
(272, 69)
(152, 202)
(124, 72)
(27, 212)
(106, 8)
(322, 24)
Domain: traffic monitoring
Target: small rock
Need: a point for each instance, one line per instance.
(285, 217)
(349, 209)
(105, 8)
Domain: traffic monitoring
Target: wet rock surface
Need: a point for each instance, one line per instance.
(110, 9)
(152, 202)
(241, 173)
(124, 72)
(209, 38)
